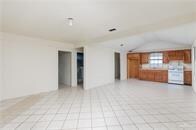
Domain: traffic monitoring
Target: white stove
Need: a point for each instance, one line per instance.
(176, 73)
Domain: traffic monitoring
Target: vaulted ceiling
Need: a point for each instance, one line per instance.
(47, 19)
(181, 36)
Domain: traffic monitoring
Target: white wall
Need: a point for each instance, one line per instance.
(1, 51)
(74, 68)
(1, 14)
(123, 65)
(1, 69)
(65, 68)
(98, 66)
(194, 66)
(30, 65)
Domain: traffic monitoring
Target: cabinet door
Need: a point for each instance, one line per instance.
(133, 68)
(144, 58)
(176, 55)
(188, 77)
(165, 76)
(187, 56)
(150, 75)
(165, 57)
(133, 56)
(171, 55)
(179, 55)
(144, 74)
(158, 76)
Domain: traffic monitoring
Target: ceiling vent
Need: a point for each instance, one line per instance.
(111, 30)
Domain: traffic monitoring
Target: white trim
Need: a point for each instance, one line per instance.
(193, 66)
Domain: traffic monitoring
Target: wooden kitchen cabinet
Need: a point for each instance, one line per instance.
(150, 76)
(144, 58)
(165, 76)
(133, 64)
(171, 55)
(154, 75)
(161, 76)
(184, 55)
(158, 76)
(165, 57)
(188, 77)
(187, 56)
(133, 56)
(176, 55)
(180, 55)
(143, 74)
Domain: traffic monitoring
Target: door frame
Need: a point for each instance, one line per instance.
(70, 64)
(119, 78)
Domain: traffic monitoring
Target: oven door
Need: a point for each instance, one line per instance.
(175, 77)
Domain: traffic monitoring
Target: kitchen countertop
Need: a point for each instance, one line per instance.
(187, 69)
(153, 69)
(162, 69)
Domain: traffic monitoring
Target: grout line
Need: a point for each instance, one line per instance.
(18, 108)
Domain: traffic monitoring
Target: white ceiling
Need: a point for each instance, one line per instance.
(92, 18)
(173, 38)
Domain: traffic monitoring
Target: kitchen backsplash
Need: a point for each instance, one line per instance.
(165, 66)
(188, 66)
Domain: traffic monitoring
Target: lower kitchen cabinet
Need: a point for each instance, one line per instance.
(158, 76)
(188, 77)
(154, 75)
(150, 76)
(143, 74)
(165, 76)
(162, 76)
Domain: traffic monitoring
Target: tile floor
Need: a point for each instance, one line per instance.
(125, 105)
(8, 103)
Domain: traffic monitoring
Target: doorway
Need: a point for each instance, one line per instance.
(117, 65)
(133, 68)
(80, 68)
(64, 69)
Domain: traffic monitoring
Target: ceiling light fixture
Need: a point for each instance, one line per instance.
(70, 21)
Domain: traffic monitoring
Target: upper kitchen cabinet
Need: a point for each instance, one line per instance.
(144, 58)
(133, 56)
(176, 55)
(187, 56)
(165, 57)
(171, 55)
(180, 55)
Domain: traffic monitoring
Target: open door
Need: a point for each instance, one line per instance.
(64, 69)
(117, 65)
(80, 68)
